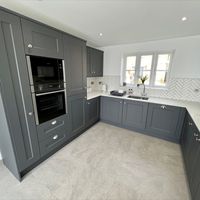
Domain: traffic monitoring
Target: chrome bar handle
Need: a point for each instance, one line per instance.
(45, 93)
(29, 69)
(66, 106)
(35, 109)
(64, 74)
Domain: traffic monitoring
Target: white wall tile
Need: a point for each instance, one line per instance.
(178, 88)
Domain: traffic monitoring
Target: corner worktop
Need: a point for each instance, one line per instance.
(193, 108)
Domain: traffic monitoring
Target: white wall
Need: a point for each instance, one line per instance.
(186, 62)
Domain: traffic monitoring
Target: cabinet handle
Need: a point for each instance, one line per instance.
(196, 134)
(198, 139)
(30, 46)
(190, 123)
(88, 103)
(124, 103)
(30, 113)
(55, 137)
(120, 102)
(54, 122)
(163, 107)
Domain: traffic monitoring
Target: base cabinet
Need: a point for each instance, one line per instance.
(165, 121)
(134, 114)
(53, 134)
(111, 110)
(92, 111)
(77, 113)
(190, 144)
(161, 121)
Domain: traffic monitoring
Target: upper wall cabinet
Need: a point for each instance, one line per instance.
(94, 62)
(41, 40)
(75, 63)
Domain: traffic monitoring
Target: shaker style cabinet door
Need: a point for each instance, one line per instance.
(41, 40)
(190, 144)
(111, 110)
(16, 95)
(162, 121)
(77, 113)
(134, 114)
(92, 111)
(75, 64)
(94, 62)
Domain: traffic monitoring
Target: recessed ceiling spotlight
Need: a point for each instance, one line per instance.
(100, 34)
(184, 19)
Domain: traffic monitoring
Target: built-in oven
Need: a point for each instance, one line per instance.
(46, 74)
(48, 87)
(49, 105)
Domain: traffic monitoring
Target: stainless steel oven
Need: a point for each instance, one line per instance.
(46, 74)
(48, 87)
(49, 105)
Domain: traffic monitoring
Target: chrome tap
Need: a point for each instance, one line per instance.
(143, 93)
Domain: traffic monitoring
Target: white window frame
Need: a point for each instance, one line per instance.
(153, 69)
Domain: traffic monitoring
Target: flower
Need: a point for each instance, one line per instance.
(143, 78)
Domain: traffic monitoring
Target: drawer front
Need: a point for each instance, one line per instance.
(52, 142)
(50, 128)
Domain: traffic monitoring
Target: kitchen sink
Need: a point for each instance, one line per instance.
(138, 97)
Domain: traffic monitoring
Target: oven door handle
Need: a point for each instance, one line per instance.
(41, 94)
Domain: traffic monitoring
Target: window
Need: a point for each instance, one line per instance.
(153, 65)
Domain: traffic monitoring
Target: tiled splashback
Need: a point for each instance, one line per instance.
(178, 88)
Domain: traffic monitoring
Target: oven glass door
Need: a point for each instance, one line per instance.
(50, 106)
(47, 73)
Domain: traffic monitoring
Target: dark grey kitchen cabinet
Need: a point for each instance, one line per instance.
(187, 138)
(16, 97)
(77, 113)
(92, 111)
(197, 194)
(134, 114)
(165, 121)
(111, 110)
(190, 144)
(75, 63)
(53, 134)
(41, 40)
(50, 128)
(94, 62)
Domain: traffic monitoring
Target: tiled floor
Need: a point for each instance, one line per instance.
(105, 163)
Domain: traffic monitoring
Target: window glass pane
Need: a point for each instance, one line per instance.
(161, 78)
(163, 61)
(130, 62)
(130, 75)
(145, 73)
(146, 62)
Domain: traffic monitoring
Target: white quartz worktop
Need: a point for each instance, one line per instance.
(192, 107)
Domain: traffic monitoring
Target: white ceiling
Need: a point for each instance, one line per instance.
(120, 21)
